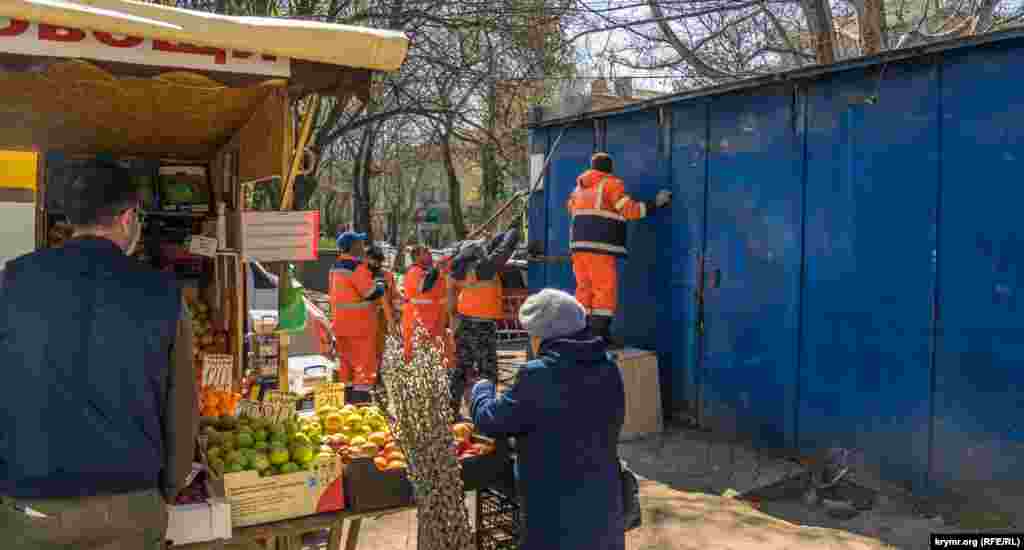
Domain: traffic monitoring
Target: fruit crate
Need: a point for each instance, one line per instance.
(367, 488)
(498, 520)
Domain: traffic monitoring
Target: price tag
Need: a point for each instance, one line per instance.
(218, 370)
(250, 408)
(279, 406)
(329, 393)
(203, 246)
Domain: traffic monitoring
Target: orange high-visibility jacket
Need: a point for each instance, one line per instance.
(353, 297)
(599, 207)
(480, 299)
(425, 305)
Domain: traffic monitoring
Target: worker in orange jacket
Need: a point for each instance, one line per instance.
(476, 280)
(599, 208)
(426, 292)
(387, 321)
(354, 291)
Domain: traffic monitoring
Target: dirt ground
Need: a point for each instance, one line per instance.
(684, 476)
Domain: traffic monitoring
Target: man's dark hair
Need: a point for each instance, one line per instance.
(99, 192)
(375, 252)
(602, 162)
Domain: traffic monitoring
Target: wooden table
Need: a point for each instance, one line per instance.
(287, 534)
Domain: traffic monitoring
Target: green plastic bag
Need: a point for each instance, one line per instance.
(291, 306)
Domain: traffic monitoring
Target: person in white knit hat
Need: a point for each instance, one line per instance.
(565, 409)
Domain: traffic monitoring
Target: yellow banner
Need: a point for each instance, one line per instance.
(18, 169)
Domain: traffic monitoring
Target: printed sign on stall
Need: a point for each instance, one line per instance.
(217, 371)
(276, 407)
(29, 38)
(199, 245)
(329, 394)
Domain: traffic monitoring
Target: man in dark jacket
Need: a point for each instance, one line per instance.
(99, 420)
(566, 410)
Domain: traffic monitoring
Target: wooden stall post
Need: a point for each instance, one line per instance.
(293, 161)
(42, 220)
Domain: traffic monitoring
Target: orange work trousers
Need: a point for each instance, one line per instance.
(358, 358)
(597, 282)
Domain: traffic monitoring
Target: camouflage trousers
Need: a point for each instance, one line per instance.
(129, 521)
(476, 355)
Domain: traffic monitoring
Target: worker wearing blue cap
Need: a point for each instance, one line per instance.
(354, 291)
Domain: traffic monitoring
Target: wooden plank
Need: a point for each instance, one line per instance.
(352, 538)
(292, 527)
(42, 221)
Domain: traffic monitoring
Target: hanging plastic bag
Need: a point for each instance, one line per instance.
(291, 305)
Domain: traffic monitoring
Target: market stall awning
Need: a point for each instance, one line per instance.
(132, 78)
(342, 45)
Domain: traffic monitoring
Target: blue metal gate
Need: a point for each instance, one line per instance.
(845, 256)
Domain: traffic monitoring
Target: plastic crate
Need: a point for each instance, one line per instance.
(498, 521)
(367, 488)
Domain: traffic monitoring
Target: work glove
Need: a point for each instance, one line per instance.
(663, 198)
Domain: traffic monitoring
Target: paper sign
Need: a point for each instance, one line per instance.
(276, 407)
(217, 371)
(203, 246)
(250, 408)
(279, 406)
(329, 393)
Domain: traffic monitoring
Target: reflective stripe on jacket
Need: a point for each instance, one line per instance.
(600, 207)
(480, 298)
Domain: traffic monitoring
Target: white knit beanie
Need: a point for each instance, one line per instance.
(552, 314)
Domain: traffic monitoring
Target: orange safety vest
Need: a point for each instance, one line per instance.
(350, 283)
(481, 299)
(599, 207)
(427, 307)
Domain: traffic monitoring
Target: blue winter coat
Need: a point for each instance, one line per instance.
(566, 411)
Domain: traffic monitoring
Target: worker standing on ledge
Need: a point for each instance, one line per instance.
(425, 291)
(599, 208)
(475, 310)
(354, 294)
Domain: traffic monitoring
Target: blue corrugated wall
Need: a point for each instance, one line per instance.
(842, 263)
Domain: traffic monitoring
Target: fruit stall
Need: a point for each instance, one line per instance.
(206, 112)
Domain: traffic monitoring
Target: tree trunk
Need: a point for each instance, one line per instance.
(871, 22)
(361, 183)
(819, 19)
(454, 188)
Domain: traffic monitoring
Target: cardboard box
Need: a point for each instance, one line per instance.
(255, 500)
(191, 523)
(639, 370)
